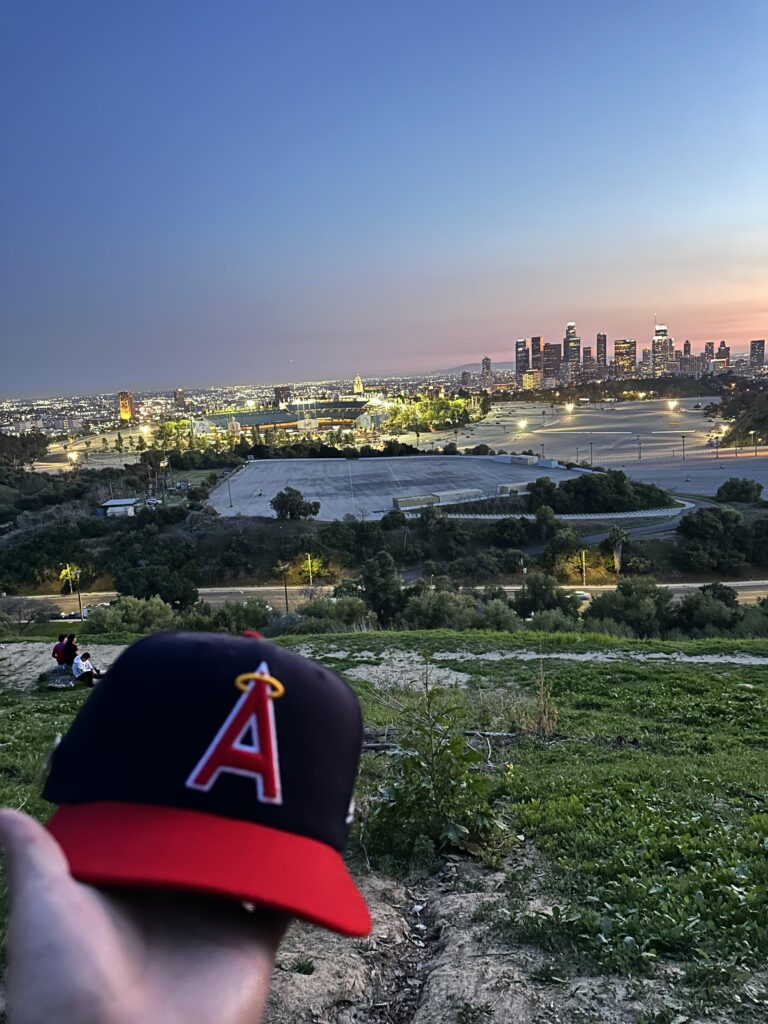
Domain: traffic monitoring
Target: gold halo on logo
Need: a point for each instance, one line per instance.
(276, 688)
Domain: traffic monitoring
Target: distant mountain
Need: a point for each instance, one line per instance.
(476, 367)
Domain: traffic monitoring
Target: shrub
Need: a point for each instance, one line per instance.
(739, 489)
(132, 615)
(434, 798)
(334, 616)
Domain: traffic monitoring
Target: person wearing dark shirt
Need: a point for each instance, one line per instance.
(70, 651)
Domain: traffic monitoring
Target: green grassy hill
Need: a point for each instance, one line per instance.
(642, 808)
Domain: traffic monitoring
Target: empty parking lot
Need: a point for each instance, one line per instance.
(365, 488)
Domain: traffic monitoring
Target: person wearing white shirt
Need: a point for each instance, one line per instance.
(84, 671)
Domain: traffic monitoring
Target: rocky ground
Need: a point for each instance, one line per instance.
(435, 956)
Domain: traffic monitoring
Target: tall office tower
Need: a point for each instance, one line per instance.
(282, 394)
(602, 349)
(757, 352)
(686, 348)
(724, 352)
(178, 398)
(662, 350)
(125, 405)
(466, 379)
(709, 350)
(625, 356)
(357, 387)
(536, 352)
(522, 359)
(486, 374)
(551, 359)
(586, 357)
(571, 344)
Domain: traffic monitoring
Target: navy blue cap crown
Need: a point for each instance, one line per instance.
(230, 726)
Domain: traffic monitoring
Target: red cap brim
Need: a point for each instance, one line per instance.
(111, 843)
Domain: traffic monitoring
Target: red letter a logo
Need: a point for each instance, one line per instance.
(253, 714)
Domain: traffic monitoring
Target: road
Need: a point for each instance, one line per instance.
(750, 591)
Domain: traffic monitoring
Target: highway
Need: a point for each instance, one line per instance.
(750, 591)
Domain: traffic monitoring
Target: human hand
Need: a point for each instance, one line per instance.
(82, 955)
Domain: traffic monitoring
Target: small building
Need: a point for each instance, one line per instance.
(117, 507)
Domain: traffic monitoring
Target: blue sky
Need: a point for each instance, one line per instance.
(201, 192)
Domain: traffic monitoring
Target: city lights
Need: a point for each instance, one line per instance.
(569, 406)
(672, 404)
(522, 424)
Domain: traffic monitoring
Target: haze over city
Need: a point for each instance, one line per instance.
(201, 193)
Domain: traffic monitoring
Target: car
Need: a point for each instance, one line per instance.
(582, 596)
(151, 502)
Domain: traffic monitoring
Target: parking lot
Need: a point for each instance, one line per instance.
(364, 487)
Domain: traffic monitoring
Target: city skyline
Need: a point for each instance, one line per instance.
(199, 194)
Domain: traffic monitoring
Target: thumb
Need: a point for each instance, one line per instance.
(32, 854)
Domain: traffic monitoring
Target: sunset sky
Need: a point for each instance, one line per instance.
(204, 192)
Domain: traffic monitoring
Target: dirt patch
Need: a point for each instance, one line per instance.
(674, 657)
(404, 669)
(436, 957)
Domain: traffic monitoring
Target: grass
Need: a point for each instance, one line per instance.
(649, 807)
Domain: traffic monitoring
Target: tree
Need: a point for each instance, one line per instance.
(739, 489)
(22, 611)
(640, 605)
(617, 538)
(540, 593)
(290, 504)
(382, 589)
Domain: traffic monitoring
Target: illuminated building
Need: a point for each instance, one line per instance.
(602, 349)
(125, 406)
(757, 352)
(625, 357)
(522, 359)
(536, 353)
(357, 387)
(551, 359)
(662, 350)
(571, 345)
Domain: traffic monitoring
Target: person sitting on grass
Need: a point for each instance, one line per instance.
(58, 651)
(84, 670)
(70, 651)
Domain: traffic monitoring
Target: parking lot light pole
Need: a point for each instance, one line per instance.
(639, 449)
(591, 458)
(753, 435)
(683, 439)
(229, 490)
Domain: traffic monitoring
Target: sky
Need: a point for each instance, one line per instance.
(200, 193)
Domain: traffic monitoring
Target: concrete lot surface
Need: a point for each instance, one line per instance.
(365, 487)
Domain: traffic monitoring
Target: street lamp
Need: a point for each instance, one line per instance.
(639, 449)
(522, 424)
(683, 439)
(672, 404)
(753, 435)
(72, 456)
(591, 459)
(283, 568)
(569, 407)
(542, 451)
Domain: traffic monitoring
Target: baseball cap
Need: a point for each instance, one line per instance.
(216, 764)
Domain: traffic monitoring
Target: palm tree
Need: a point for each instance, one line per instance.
(617, 538)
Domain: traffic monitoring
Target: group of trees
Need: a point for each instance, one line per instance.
(20, 450)
(377, 599)
(744, 410)
(609, 491)
(718, 539)
(638, 608)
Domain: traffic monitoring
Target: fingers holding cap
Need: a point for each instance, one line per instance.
(32, 854)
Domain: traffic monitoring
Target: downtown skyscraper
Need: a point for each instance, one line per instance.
(602, 349)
